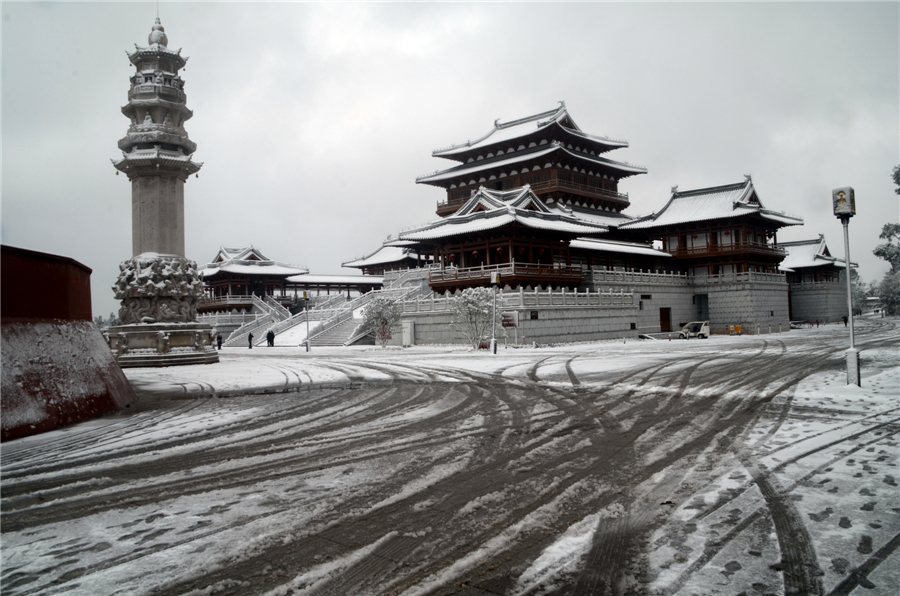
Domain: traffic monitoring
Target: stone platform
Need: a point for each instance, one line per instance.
(162, 344)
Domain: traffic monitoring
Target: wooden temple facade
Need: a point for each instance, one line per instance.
(237, 277)
(717, 230)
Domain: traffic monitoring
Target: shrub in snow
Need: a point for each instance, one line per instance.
(889, 293)
(472, 315)
(380, 317)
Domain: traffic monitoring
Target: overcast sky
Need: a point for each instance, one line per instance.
(313, 120)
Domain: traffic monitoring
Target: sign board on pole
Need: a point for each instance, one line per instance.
(495, 277)
(844, 201)
(509, 319)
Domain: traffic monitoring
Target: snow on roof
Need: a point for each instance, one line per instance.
(384, 255)
(475, 166)
(247, 260)
(227, 253)
(808, 253)
(704, 204)
(307, 278)
(250, 268)
(633, 248)
(606, 218)
(488, 209)
(515, 129)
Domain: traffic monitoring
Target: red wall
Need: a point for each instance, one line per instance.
(42, 286)
(56, 366)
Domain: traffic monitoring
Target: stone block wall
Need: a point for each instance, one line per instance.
(749, 304)
(554, 324)
(664, 291)
(819, 301)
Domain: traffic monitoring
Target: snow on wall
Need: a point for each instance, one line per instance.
(55, 373)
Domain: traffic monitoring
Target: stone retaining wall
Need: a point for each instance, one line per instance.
(821, 301)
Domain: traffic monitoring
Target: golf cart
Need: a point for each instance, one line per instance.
(698, 329)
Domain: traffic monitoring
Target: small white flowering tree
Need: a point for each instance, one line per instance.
(471, 312)
(380, 317)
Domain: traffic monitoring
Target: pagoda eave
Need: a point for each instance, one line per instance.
(157, 165)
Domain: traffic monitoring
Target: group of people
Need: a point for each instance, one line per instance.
(270, 339)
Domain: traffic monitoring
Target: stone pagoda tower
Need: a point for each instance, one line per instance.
(159, 288)
(156, 152)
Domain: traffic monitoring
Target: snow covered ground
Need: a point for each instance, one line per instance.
(734, 465)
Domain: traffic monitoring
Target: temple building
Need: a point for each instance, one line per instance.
(815, 280)
(513, 232)
(394, 255)
(239, 277)
(235, 275)
(546, 151)
(717, 230)
(537, 201)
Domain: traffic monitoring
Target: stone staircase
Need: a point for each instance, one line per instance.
(270, 317)
(339, 334)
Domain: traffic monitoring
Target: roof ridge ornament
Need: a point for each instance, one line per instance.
(158, 34)
(748, 178)
(674, 189)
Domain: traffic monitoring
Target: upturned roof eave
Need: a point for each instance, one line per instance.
(442, 177)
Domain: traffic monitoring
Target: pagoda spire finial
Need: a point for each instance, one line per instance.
(158, 34)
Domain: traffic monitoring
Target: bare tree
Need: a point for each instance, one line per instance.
(381, 317)
(471, 312)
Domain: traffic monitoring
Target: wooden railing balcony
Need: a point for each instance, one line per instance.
(581, 189)
(236, 300)
(508, 272)
(719, 249)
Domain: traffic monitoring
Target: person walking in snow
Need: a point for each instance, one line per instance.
(270, 337)
(250, 340)
(219, 340)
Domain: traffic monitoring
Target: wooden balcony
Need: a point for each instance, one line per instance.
(757, 248)
(237, 302)
(512, 274)
(579, 189)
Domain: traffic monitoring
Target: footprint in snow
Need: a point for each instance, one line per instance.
(865, 545)
(822, 515)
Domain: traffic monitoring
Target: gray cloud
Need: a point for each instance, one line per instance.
(313, 120)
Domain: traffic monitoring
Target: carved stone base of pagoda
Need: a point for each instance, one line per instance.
(162, 344)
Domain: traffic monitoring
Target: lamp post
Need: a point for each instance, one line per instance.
(495, 281)
(844, 203)
(306, 297)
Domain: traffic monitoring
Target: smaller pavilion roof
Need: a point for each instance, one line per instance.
(247, 260)
(803, 254)
(489, 209)
(632, 248)
(383, 256)
(705, 204)
(503, 132)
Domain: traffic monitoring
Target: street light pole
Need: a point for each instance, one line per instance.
(306, 296)
(845, 220)
(495, 281)
(844, 203)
